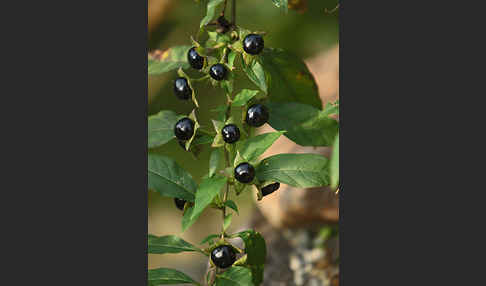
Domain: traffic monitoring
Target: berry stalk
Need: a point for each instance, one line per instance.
(227, 160)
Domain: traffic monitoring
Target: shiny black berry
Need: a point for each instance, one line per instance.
(179, 203)
(184, 129)
(253, 44)
(194, 59)
(182, 89)
(218, 72)
(230, 133)
(257, 115)
(223, 256)
(244, 173)
(267, 190)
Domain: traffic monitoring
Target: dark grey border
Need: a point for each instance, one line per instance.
(78, 163)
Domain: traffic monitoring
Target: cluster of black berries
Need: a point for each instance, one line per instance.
(252, 44)
(181, 86)
(256, 116)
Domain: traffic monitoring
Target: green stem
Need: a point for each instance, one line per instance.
(200, 79)
(224, 58)
(225, 195)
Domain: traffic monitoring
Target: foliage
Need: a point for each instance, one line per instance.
(282, 83)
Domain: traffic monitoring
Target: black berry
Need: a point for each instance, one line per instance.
(194, 59)
(267, 190)
(244, 173)
(184, 129)
(223, 256)
(218, 72)
(182, 89)
(230, 133)
(253, 44)
(257, 115)
(179, 203)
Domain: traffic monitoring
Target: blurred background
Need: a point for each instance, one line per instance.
(309, 32)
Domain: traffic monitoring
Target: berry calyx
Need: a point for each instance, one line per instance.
(184, 129)
(182, 89)
(257, 115)
(223, 256)
(179, 203)
(182, 143)
(267, 190)
(194, 59)
(218, 72)
(244, 173)
(231, 133)
(253, 44)
(224, 23)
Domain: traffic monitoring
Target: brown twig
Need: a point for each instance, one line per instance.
(224, 7)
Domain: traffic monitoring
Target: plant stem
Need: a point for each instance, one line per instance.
(224, 7)
(225, 195)
(200, 79)
(233, 12)
(211, 279)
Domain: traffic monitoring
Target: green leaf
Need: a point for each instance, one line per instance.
(288, 78)
(214, 160)
(208, 189)
(240, 187)
(212, 6)
(227, 85)
(215, 38)
(221, 111)
(255, 73)
(243, 97)
(282, 4)
(218, 125)
(231, 58)
(187, 221)
(235, 276)
(162, 276)
(232, 205)
(227, 221)
(257, 274)
(168, 244)
(181, 73)
(210, 238)
(238, 159)
(331, 108)
(298, 170)
(192, 116)
(218, 139)
(251, 148)
(305, 125)
(255, 247)
(334, 163)
(161, 128)
(167, 178)
(203, 139)
(256, 251)
(171, 59)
